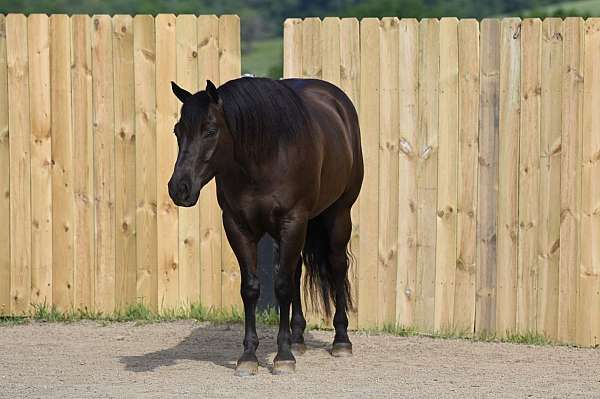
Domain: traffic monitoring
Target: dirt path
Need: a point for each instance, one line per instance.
(186, 359)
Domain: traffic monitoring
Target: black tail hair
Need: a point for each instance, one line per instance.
(320, 282)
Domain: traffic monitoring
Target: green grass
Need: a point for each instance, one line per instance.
(264, 58)
(526, 338)
(141, 314)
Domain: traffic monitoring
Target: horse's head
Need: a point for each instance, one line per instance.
(203, 143)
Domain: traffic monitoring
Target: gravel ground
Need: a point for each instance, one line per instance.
(188, 359)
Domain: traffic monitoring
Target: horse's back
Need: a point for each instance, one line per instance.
(335, 124)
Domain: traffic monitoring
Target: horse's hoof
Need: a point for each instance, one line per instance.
(341, 349)
(284, 367)
(298, 349)
(246, 369)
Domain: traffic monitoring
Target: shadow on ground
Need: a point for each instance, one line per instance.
(218, 345)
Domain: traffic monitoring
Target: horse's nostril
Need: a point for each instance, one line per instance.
(184, 189)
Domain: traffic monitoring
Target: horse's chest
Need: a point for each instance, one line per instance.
(260, 213)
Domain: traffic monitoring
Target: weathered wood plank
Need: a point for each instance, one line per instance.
(369, 196)
(408, 86)
(447, 197)
(125, 246)
(292, 48)
(104, 162)
(508, 175)
(38, 45)
(466, 210)
(550, 159)
(63, 171)
(20, 156)
(83, 161)
(570, 178)
(427, 147)
(330, 49)
(388, 170)
(485, 305)
(144, 58)
(529, 175)
(4, 177)
(588, 303)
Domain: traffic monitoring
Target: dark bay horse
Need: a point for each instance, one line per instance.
(287, 160)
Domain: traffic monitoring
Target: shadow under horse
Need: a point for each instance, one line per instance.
(213, 344)
(287, 160)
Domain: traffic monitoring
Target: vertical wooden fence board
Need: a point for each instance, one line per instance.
(330, 48)
(387, 256)
(145, 126)
(508, 175)
(447, 174)
(38, 46)
(210, 213)
(83, 161)
(19, 142)
(550, 158)
(4, 177)
(312, 56)
(63, 171)
(170, 252)
(229, 68)
(466, 210)
(570, 178)
(350, 83)
(487, 195)
(189, 228)
(588, 304)
(408, 103)
(529, 175)
(427, 147)
(292, 48)
(369, 197)
(125, 246)
(168, 222)
(104, 162)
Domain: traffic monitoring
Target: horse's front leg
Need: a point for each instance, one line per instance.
(292, 235)
(244, 246)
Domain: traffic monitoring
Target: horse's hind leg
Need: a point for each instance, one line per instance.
(298, 320)
(292, 235)
(339, 227)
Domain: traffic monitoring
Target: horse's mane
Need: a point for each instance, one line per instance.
(261, 113)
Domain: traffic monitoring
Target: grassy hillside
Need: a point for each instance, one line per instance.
(585, 6)
(264, 58)
(569, 8)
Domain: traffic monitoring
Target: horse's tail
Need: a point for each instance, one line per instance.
(320, 282)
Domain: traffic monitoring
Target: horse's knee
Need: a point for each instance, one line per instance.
(250, 289)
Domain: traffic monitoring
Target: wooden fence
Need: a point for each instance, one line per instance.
(480, 208)
(86, 150)
(481, 202)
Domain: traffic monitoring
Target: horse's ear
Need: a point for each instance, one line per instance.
(211, 90)
(180, 93)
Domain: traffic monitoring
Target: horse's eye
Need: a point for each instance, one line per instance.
(211, 130)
